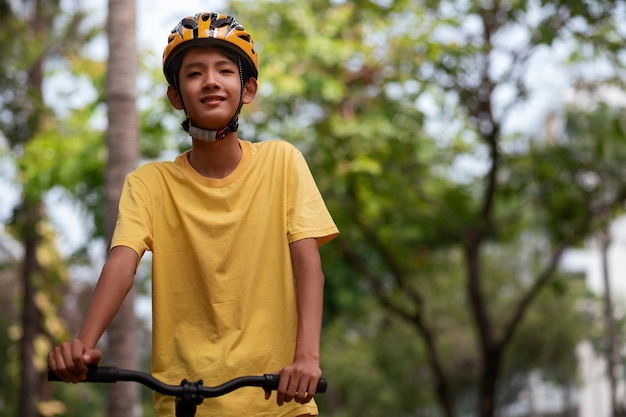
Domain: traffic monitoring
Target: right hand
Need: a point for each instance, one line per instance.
(70, 360)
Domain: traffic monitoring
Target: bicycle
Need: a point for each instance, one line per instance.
(188, 394)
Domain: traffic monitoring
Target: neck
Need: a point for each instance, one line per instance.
(215, 159)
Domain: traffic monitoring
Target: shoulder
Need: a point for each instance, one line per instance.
(274, 146)
(156, 169)
(153, 176)
(275, 150)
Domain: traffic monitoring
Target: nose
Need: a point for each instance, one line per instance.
(210, 82)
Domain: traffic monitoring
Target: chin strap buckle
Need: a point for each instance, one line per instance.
(211, 135)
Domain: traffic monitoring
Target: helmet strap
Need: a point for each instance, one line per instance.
(206, 135)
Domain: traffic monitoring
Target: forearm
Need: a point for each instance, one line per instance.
(299, 380)
(113, 285)
(309, 280)
(309, 294)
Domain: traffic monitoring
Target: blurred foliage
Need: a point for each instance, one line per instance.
(451, 225)
(393, 104)
(67, 154)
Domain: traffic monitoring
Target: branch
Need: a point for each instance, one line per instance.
(443, 390)
(416, 318)
(544, 277)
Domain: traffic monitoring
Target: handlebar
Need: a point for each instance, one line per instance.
(109, 374)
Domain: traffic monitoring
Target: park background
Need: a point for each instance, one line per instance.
(471, 152)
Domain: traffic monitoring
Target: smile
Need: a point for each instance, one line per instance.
(212, 99)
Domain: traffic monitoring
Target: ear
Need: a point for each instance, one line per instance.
(249, 91)
(174, 98)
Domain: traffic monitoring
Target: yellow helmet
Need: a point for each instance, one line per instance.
(208, 28)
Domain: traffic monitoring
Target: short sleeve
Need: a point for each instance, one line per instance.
(307, 214)
(133, 228)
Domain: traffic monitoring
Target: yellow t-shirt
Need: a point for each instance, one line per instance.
(223, 295)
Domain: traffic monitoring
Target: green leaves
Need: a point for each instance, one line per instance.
(69, 156)
(449, 220)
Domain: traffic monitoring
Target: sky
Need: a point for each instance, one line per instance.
(165, 15)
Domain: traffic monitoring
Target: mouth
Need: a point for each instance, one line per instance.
(212, 99)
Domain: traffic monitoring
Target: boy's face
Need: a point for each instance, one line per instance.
(210, 86)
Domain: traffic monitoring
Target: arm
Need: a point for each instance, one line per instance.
(299, 380)
(70, 359)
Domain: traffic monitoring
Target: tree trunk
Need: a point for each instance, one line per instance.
(28, 221)
(609, 322)
(491, 350)
(122, 139)
(29, 385)
(490, 376)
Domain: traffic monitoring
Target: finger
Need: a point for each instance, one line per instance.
(78, 351)
(70, 365)
(280, 391)
(92, 357)
(292, 388)
(268, 392)
(312, 389)
(302, 392)
(284, 383)
(59, 361)
(310, 392)
(52, 363)
(287, 395)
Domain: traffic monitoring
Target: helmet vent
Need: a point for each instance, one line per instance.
(220, 23)
(189, 23)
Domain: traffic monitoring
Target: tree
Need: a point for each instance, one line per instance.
(403, 111)
(122, 146)
(604, 121)
(42, 37)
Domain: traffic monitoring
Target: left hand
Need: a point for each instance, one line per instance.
(298, 382)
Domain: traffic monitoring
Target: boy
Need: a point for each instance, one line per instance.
(234, 229)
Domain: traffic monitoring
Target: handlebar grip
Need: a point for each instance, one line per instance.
(52, 376)
(273, 380)
(94, 374)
